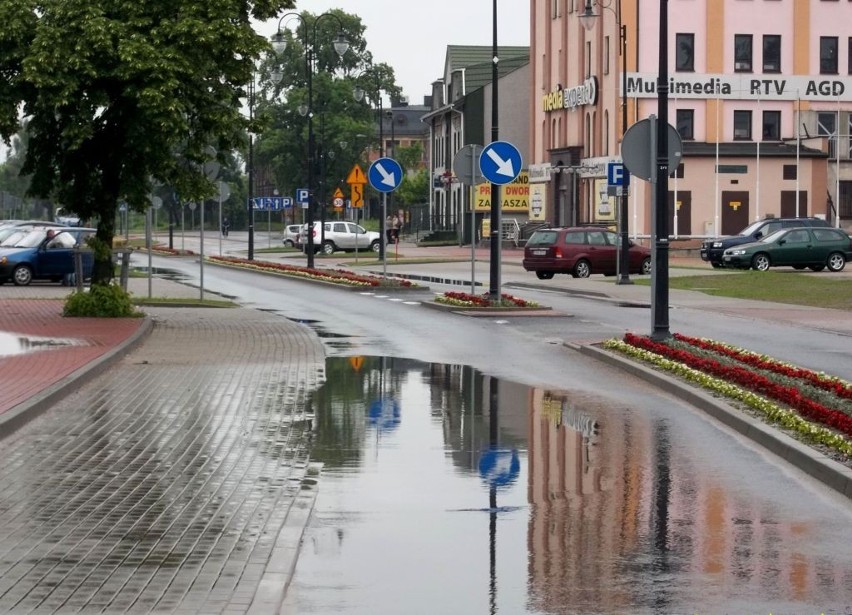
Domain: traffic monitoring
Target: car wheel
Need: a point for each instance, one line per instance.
(716, 265)
(544, 275)
(816, 267)
(288, 243)
(375, 246)
(646, 266)
(582, 269)
(23, 275)
(328, 248)
(836, 262)
(760, 262)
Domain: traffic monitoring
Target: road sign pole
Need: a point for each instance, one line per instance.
(382, 239)
(660, 329)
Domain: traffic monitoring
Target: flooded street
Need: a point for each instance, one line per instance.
(445, 491)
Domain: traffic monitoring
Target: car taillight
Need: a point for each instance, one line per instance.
(557, 253)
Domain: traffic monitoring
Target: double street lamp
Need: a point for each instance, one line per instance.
(341, 45)
(588, 19)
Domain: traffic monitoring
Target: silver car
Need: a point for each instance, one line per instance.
(291, 235)
(345, 236)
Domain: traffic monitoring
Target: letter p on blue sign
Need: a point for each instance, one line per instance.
(617, 174)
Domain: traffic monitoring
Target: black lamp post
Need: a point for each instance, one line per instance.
(494, 290)
(279, 43)
(251, 174)
(588, 19)
(359, 93)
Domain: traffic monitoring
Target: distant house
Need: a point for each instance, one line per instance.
(460, 115)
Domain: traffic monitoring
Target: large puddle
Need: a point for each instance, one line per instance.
(446, 491)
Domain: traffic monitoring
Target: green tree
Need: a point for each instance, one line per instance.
(344, 128)
(120, 95)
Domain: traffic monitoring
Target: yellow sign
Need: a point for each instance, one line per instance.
(735, 205)
(486, 227)
(604, 204)
(538, 198)
(356, 177)
(338, 194)
(357, 195)
(515, 196)
(356, 362)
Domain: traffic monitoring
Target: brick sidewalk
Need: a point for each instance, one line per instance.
(173, 482)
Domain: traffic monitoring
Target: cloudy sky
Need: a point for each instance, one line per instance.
(412, 35)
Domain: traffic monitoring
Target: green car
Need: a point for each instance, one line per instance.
(814, 248)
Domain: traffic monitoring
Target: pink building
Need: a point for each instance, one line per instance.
(760, 92)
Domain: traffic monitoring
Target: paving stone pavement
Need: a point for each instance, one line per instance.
(176, 482)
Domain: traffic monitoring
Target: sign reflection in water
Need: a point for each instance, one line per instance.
(612, 509)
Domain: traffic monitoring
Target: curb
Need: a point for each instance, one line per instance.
(18, 416)
(806, 459)
(494, 311)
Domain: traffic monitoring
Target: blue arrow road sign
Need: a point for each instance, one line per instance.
(617, 174)
(500, 162)
(385, 175)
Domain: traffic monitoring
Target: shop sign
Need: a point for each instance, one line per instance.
(743, 87)
(515, 196)
(571, 98)
(540, 173)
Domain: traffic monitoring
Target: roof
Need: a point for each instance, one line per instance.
(477, 62)
(768, 149)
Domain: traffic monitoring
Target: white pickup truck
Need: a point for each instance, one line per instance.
(345, 236)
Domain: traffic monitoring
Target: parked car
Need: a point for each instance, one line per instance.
(291, 235)
(336, 235)
(44, 254)
(580, 252)
(712, 249)
(815, 248)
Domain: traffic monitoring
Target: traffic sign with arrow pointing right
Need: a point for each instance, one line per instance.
(500, 162)
(385, 174)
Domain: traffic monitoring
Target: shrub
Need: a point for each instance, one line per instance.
(101, 301)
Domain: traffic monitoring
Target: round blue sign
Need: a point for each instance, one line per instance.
(385, 175)
(500, 162)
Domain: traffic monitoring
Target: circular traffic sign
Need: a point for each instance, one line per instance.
(385, 174)
(466, 165)
(500, 162)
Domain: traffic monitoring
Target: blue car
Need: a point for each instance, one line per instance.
(45, 254)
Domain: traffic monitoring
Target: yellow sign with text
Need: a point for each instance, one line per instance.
(514, 197)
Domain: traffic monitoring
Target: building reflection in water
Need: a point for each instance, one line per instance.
(620, 519)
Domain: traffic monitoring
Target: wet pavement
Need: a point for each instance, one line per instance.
(176, 482)
(181, 482)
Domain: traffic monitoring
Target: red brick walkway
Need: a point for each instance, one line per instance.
(24, 375)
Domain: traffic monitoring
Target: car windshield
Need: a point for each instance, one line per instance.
(15, 240)
(31, 239)
(542, 238)
(751, 228)
(772, 238)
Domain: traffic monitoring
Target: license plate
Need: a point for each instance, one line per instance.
(539, 252)
(726, 258)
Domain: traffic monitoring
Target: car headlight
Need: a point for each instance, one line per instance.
(717, 244)
(2, 260)
(735, 252)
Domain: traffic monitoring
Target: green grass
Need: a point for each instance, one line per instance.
(797, 288)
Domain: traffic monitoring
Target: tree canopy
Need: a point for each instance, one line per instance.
(119, 95)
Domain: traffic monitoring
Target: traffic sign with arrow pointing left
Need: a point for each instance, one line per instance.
(500, 162)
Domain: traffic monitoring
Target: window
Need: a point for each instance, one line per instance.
(606, 56)
(849, 56)
(771, 53)
(790, 171)
(686, 124)
(679, 172)
(742, 125)
(828, 55)
(827, 127)
(742, 53)
(684, 50)
(588, 59)
(771, 126)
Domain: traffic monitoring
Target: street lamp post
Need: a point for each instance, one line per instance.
(588, 19)
(341, 45)
(251, 174)
(359, 94)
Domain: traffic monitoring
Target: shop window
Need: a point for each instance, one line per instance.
(771, 126)
(685, 52)
(771, 53)
(686, 124)
(828, 55)
(742, 125)
(742, 53)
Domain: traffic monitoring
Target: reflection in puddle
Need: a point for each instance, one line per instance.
(448, 491)
(16, 343)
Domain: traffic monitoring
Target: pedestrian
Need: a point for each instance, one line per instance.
(226, 226)
(397, 225)
(389, 228)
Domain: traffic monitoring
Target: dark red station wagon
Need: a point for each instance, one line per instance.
(580, 251)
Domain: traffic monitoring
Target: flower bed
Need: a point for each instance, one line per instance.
(484, 301)
(167, 251)
(814, 406)
(334, 276)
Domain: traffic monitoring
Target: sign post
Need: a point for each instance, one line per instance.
(385, 176)
(466, 168)
(618, 177)
(500, 163)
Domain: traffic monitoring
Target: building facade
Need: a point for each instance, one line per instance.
(759, 90)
